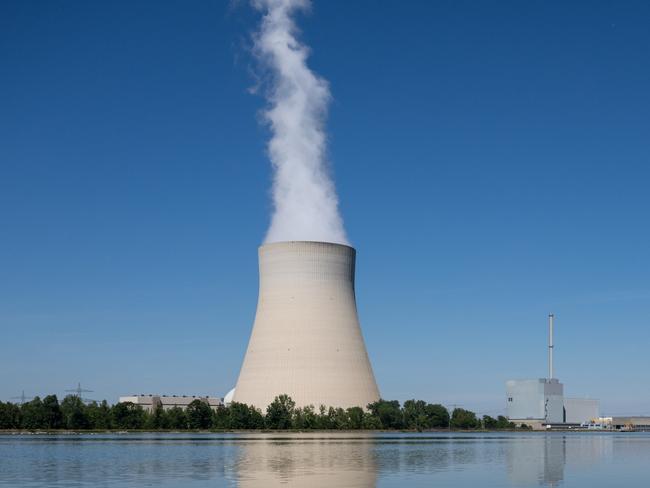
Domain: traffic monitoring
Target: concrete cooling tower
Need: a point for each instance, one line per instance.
(306, 340)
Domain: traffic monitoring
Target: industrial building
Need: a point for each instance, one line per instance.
(167, 402)
(631, 423)
(306, 340)
(540, 402)
(581, 410)
(536, 401)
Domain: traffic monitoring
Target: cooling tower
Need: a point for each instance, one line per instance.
(306, 340)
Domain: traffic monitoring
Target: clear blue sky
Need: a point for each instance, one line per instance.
(491, 158)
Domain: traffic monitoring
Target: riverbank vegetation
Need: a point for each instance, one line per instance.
(282, 414)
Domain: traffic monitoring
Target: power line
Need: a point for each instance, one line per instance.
(22, 398)
(78, 391)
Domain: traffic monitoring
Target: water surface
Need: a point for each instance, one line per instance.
(323, 459)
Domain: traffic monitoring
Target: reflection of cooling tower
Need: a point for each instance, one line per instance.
(333, 460)
(306, 340)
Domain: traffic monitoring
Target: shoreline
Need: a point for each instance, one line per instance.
(44, 432)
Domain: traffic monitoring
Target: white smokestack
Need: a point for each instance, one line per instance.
(304, 197)
(551, 317)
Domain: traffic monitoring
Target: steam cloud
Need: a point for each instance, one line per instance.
(304, 197)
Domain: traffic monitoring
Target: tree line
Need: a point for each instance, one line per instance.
(282, 414)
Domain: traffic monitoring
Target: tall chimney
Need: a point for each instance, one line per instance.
(550, 346)
(306, 339)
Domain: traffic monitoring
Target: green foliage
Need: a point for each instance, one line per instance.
(10, 417)
(240, 416)
(128, 415)
(370, 422)
(199, 415)
(32, 415)
(157, 419)
(420, 415)
(53, 417)
(355, 418)
(464, 419)
(504, 423)
(99, 416)
(279, 414)
(176, 418)
(490, 422)
(305, 418)
(75, 415)
(389, 414)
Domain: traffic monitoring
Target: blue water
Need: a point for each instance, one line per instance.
(336, 460)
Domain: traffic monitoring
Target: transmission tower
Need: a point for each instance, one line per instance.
(78, 391)
(22, 398)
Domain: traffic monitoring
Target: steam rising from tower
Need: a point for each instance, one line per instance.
(306, 339)
(304, 197)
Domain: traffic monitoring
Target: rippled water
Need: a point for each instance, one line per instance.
(337, 460)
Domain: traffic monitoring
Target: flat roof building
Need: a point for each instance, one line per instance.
(167, 402)
(639, 422)
(581, 410)
(536, 401)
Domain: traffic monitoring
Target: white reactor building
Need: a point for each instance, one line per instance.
(541, 402)
(306, 340)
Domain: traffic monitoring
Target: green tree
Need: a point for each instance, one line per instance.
(99, 416)
(370, 422)
(33, 415)
(279, 413)
(157, 419)
(9, 416)
(238, 416)
(389, 413)
(490, 422)
(199, 415)
(176, 418)
(437, 415)
(325, 418)
(52, 412)
(242, 416)
(74, 413)
(255, 419)
(128, 415)
(464, 419)
(415, 415)
(355, 418)
(504, 423)
(305, 418)
(221, 418)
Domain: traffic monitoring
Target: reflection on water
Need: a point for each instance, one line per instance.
(543, 458)
(318, 460)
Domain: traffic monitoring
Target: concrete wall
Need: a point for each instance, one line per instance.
(306, 339)
(535, 399)
(579, 410)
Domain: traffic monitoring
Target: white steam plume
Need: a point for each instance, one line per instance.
(304, 197)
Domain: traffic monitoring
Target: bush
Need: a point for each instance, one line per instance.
(199, 415)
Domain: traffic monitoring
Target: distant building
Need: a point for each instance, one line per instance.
(640, 423)
(581, 410)
(535, 402)
(540, 403)
(167, 402)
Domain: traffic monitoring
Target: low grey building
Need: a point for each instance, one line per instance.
(167, 402)
(640, 422)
